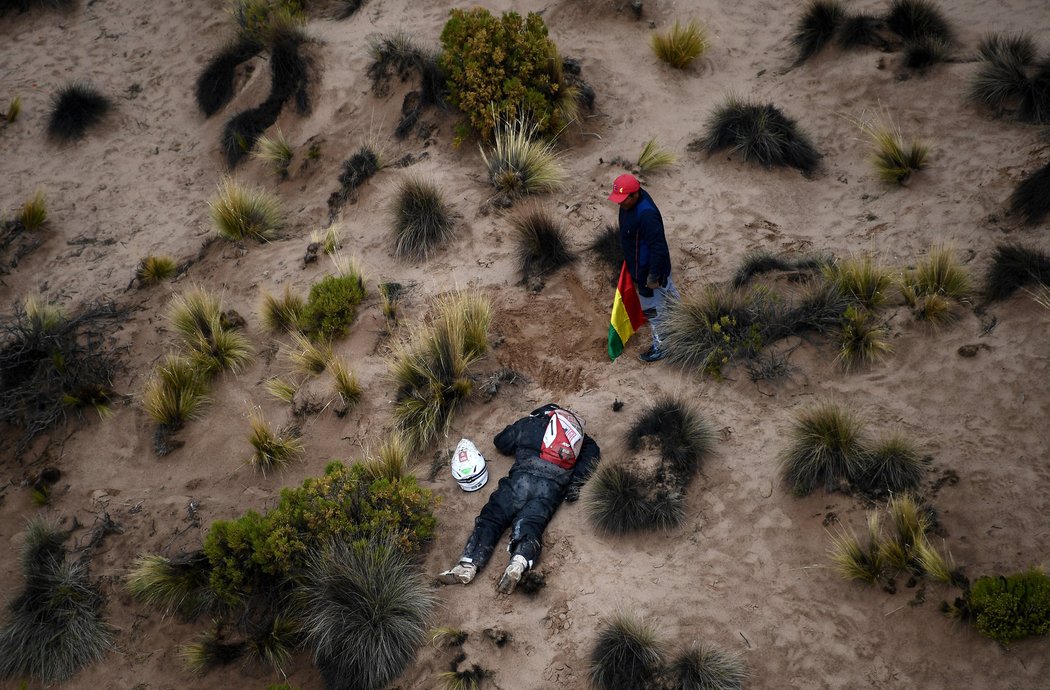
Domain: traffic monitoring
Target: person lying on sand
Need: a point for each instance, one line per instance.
(553, 459)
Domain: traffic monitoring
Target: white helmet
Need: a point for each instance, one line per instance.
(468, 466)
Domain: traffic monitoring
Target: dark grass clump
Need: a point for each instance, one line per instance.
(290, 66)
(54, 626)
(366, 609)
(541, 243)
(172, 585)
(818, 310)
(862, 340)
(1010, 77)
(825, 448)
(1031, 199)
(356, 171)
(894, 466)
(606, 246)
(1019, 48)
(627, 654)
(817, 26)
(761, 261)
(399, 54)
(860, 30)
(23, 6)
(705, 667)
(925, 51)
(684, 437)
(74, 109)
(243, 130)
(214, 87)
(52, 364)
(422, 220)
(1014, 267)
(759, 132)
(618, 500)
(211, 650)
(916, 19)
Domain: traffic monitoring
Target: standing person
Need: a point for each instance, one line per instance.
(646, 254)
(552, 460)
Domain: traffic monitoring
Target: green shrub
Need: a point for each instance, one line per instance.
(346, 503)
(332, 304)
(1011, 607)
(502, 68)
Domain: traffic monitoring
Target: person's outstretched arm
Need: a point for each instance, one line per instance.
(590, 455)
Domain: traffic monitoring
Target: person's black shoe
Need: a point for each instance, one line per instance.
(652, 355)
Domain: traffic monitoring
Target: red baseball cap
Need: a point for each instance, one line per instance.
(623, 186)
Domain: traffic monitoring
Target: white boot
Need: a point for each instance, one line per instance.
(461, 573)
(512, 575)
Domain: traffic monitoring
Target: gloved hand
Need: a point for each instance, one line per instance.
(573, 494)
(654, 282)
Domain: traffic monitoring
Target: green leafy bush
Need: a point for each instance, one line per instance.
(1011, 607)
(502, 68)
(346, 504)
(332, 304)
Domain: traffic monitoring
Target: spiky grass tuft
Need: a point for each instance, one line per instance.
(275, 643)
(42, 316)
(195, 314)
(153, 269)
(308, 356)
(761, 133)
(225, 349)
(240, 213)
(14, 109)
(817, 26)
(432, 369)
(282, 314)
(894, 159)
(915, 19)
(214, 87)
(939, 566)
(925, 51)
(862, 340)
(941, 273)
(175, 393)
(1017, 47)
(422, 219)
(854, 561)
(541, 243)
(627, 653)
(330, 238)
(654, 158)
(179, 586)
(617, 500)
(33, 213)
(862, 279)
(757, 262)
(282, 390)
(209, 651)
(705, 667)
(908, 527)
(1014, 267)
(825, 448)
(685, 438)
(1031, 198)
(520, 164)
(274, 151)
(392, 460)
(895, 465)
(681, 44)
(857, 30)
(211, 347)
(366, 609)
(272, 449)
(54, 626)
(606, 246)
(347, 386)
(75, 108)
(390, 300)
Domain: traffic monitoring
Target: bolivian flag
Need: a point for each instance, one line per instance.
(627, 316)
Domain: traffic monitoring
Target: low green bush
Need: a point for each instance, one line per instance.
(250, 552)
(1011, 607)
(332, 304)
(502, 68)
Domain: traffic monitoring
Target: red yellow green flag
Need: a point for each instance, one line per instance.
(627, 316)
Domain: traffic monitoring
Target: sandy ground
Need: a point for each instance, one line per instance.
(747, 570)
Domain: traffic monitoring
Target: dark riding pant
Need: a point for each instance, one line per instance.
(523, 502)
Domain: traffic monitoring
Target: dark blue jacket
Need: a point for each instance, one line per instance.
(644, 245)
(523, 440)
